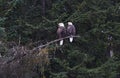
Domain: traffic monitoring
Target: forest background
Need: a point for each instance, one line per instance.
(26, 25)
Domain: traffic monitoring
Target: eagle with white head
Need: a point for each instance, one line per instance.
(61, 32)
(71, 31)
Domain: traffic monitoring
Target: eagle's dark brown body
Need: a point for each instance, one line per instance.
(71, 31)
(61, 32)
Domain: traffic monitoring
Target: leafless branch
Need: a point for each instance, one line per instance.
(18, 56)
(54, 41)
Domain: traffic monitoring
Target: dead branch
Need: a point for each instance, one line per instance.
(35, 49)
(51, 42)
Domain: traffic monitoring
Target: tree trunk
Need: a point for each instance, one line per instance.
(43, 7)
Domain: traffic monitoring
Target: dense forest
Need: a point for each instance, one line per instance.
(28, 41)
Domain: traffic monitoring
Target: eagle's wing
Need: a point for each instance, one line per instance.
(71, 31)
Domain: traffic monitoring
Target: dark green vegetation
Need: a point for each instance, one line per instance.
(23, 22)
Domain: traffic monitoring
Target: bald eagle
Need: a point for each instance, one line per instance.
(71, 31)
(61, 32)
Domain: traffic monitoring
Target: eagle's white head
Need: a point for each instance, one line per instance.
(70, 23)
(61, 24)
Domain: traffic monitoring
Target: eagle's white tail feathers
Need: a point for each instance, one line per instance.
(71, 39)
(61, 42)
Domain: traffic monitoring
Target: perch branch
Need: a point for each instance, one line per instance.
(51, 42)
(41, 46)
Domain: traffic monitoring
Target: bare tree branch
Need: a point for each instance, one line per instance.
(54, 41)
(20, 55)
